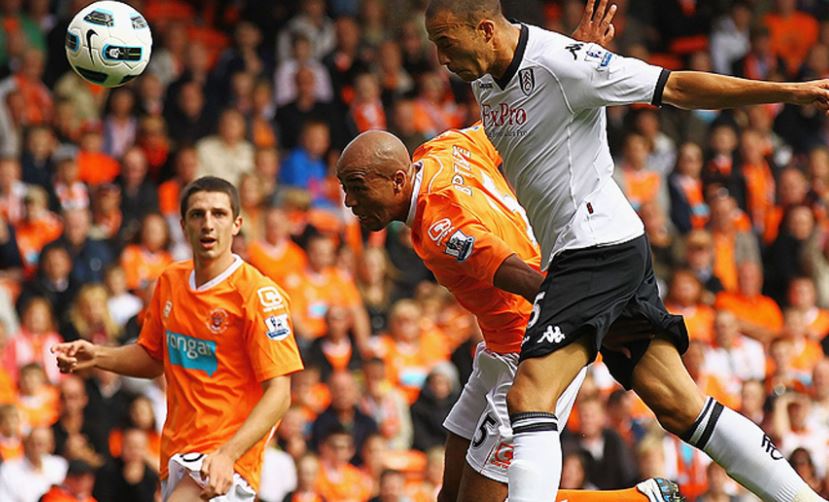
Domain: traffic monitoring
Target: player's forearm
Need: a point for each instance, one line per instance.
(268, 411)
(518, 278)
(693, 89)
(128, 360)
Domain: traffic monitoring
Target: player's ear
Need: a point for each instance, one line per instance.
(237, 225)
(486, 29)
(399, 180)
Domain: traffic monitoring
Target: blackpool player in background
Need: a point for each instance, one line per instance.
(469, 230)
(220, 333)
(542, 97)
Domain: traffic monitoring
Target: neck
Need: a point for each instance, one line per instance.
(506, 45)
(206, 270)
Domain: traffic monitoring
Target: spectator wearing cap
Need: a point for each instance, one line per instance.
(26, 479)
(439, 393)
(89, 256)
(76, 487)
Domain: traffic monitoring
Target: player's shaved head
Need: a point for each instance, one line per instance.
(376, 173)
(471, 11)
(375, 152)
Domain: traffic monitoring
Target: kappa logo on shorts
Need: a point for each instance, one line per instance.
(551, 335)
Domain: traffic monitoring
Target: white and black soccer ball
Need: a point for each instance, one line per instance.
(108, 43)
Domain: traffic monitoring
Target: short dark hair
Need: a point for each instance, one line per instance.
(210, 184)
(471, 11)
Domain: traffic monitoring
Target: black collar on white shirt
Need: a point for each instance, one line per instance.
(516, 58)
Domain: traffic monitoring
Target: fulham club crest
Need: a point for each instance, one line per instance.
(527, 80)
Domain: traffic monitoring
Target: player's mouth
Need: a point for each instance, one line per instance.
(207, 242)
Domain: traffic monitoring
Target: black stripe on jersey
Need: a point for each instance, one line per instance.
(503, 82)
(660, 87)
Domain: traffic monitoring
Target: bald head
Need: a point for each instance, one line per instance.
(472, 11)
(376, 173)
(377, 152)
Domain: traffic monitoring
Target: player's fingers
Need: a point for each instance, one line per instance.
(588, 9)
(609, 15)
(609, 34)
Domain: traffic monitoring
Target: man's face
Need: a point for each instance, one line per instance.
(460, 46)
(209, 224)
(372, 197)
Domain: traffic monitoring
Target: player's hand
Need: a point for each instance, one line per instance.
(815, 92)
(217, 472)
(75, 356)
(596, 26)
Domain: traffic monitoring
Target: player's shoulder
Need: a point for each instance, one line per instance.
(255, 287)
(178, 271)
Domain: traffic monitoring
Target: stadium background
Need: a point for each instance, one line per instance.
(266, 94)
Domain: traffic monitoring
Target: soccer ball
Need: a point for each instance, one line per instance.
(108, 43)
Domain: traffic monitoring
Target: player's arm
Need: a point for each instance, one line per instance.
(128, 360)
(217, 467)
(515, 276)
(693, 89)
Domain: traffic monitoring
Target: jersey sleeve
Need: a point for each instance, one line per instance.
(269, 333)
(458, 240)
(591, 76)
(151, 337)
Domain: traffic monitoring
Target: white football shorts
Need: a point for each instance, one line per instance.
(183, 464)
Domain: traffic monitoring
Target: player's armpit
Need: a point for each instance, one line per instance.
(515, 276)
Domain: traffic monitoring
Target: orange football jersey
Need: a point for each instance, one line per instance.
(466, 221)
(218, 342)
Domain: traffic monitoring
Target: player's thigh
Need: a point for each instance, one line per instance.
(185, 470)
(454, 457)
(466, 411)
(540, 381)
(663, 383)
(475, 487)
(185, 490)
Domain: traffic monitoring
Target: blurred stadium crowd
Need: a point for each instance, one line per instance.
(265, 94)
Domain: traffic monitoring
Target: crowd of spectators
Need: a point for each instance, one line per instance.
(266, 94)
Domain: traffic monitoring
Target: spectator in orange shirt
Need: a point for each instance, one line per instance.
(684, 298)
(276, 255)
(144, 261)
(758, 178)
(12, 190)
(38, 401)
(640, 183)
(186, 167)
(337, 479)
(806, 351)
(803, 297)
(793, 33)
(392, 487)
(366, 111)
(409, 351)
(106, 212)
(37, 98)
(319, 286)
(141, 417)
(95, 166)
(309, 394)
(733, 241)
(11, 433)
(758, 315)
(38, 227)
(433, 112)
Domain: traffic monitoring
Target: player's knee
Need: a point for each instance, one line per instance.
(525, 398)
(676, 413)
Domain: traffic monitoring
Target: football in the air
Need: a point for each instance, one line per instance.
(108, 43)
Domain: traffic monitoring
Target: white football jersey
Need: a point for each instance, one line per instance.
(546, 118)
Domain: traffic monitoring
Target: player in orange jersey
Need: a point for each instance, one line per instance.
(220, 332)
(470, 231)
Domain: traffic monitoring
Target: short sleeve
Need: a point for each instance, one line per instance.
(592, 77)
(460, 241)
(269, 333)
(152, 329)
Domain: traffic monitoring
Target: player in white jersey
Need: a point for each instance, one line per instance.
(542, 98)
